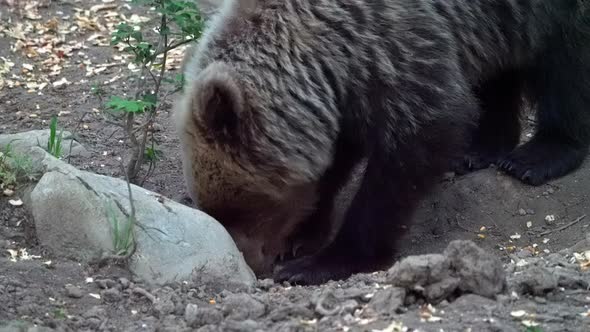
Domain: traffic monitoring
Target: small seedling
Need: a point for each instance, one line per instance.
(60, 313)
(54, 142)
(14, 167)
(180, 23)
(123, 238)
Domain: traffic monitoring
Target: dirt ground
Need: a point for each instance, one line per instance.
(497, 213)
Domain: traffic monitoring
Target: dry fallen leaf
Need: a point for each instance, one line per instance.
(15, 202)
(394, 327)
(13, 255)
(518, 313)
(515, 236)
(529, 323)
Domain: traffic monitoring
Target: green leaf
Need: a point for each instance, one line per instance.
(129, 105)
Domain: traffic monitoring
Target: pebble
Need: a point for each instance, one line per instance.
(124, 282)
(242, 306)
(74, 292)
(190, 311)
(388, 300)
(111, 295)
(266, 284)
(203, 316)
(106, 283)
(96, 311)
(540, 300)
(522, 212)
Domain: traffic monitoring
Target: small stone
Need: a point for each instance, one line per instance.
(74, 292)
(241, 326)
(441, 290)
(204, 316)
(111, 295)
(124, 282)
(190, 312)
(283, 313)
(540, 300)
(266, 284)
(522, 212)
(164, 306)
(480, 271)
(418, 270)
(105, 283)
(534, 280)
(96, 312)
(243, 306)
(550, 191)
(388, 301)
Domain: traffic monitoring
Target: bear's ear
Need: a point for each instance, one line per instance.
(218, 103)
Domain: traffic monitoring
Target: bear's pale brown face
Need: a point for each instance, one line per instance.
(260, 223)
(243, 167)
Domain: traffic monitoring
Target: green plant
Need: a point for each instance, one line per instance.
(122, 232)
(54, 143)
(14, 168)
(180, 23)
(60, 313)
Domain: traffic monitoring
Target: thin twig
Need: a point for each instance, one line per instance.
(74, 135)
(148, 295)
(559, 229)
(122, 258)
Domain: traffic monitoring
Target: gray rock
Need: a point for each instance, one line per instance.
(240, 307)
(419, 270)
(74, 292)
(582, 245)
(479, 271)
(429, 275)
(534, 280)
(441, 290)
(284, 312)
(75, 212)
(472, 302)
(124, 283)
(204, 316)
(241, 326)
(388, 301)
(571, 279)
(190, 312)
(111, 295)
(464, 266)
(22, 326)
(95, 312)
(23, 142)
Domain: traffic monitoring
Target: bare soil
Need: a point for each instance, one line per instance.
(513, 221)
